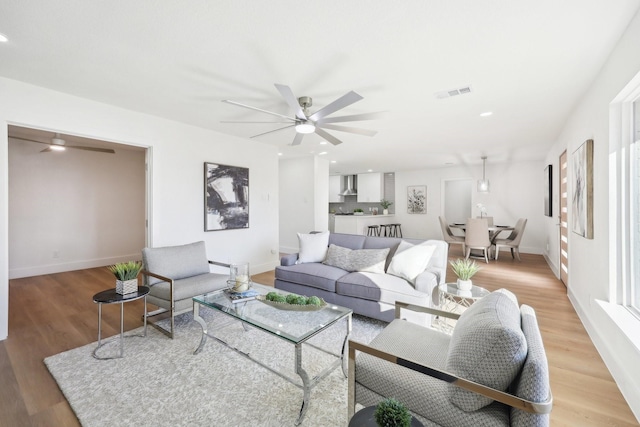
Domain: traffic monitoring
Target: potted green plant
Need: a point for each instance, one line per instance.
(392, 413)
(464, 269)
(385, 206)
(358, 211)
(126, 274)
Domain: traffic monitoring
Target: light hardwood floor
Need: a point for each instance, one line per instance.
(53, 313)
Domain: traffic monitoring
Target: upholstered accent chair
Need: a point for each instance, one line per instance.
(513, 240)
(477, 237)
(491, 371)
(176, 274)
(448, 235)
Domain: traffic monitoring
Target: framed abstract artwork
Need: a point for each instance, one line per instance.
(226, 197)
(417, 199)
(582, 200)
(548, 190)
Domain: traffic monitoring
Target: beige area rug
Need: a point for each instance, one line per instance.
(160, 382)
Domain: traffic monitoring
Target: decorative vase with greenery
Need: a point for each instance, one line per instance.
(392, 413)
(385, 206)
(464, 269)
(126, 276)
(358, 211)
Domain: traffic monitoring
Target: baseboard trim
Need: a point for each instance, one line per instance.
(552, 265)
(39, 270)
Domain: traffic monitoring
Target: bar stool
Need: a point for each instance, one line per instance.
(385, 230)
(395, 230)
(373, 230)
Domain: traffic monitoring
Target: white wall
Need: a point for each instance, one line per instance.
(74, 209)
(177, 152)
(304, 199)
(589, 274)
(516, 192)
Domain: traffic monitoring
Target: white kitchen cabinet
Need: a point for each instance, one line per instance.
(370, 187)
(335, 188)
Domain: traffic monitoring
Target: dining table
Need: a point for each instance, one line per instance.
(494, 230)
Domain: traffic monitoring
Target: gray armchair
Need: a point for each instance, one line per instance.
(492, 371)
(175, 274)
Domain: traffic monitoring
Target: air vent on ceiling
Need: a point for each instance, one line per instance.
(453, 92)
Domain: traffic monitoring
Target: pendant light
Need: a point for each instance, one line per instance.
(483, 184)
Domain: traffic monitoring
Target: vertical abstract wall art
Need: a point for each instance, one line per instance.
(226, 197)
(582, 201)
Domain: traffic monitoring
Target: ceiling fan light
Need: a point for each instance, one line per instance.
(55, 147)
(305, 128)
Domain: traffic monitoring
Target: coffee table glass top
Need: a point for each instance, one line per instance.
(295, 326)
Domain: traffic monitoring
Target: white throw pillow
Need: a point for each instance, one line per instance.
(313, 247)
(410, 260)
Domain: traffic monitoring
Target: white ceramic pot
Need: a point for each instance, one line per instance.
(464, 285)
(385, 212)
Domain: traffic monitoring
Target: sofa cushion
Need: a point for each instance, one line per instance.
(410, 260)
(315, 275)
(380, 287)
(176, 262)
(370, 260)
(313, 247)
(190, 286)
(351, 241)
(487, 346)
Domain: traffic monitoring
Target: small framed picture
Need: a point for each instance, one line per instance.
(417, 199)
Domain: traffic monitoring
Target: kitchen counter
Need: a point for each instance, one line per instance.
(358, 224)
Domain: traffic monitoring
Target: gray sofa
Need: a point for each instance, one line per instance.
(369, 294)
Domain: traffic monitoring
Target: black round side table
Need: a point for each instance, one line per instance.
(110, 296)
(364, 418)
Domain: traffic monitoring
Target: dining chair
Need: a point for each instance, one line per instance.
(489, 220)
(448, 235)
(477, 237)
(513, 240)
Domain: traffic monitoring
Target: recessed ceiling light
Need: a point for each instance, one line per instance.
(370, 170)
(322, 153)
(3, 38)
(323, 142)
(279, 154)
(333, 161)
(486, 114)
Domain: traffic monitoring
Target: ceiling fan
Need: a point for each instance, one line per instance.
(56, 143)
(306, 122)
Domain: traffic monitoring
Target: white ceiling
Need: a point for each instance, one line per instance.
(527, 61)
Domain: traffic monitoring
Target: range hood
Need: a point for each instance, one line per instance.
(351, 187)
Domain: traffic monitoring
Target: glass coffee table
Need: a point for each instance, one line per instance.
(295, 327)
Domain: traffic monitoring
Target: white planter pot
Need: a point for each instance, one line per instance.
(124, 287)
(464, 285)
(385, 212)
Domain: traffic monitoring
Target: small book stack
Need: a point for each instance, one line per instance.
(241, 296)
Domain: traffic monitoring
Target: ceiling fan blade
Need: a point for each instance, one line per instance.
(99, 150)
(332, 139)
(258, 109)
(298, 139)
(351, 118)
(30, 140)
(271, 131)
(342, 102)
(288, 96)
(242, 121)
(365, 132)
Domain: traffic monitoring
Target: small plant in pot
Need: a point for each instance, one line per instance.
(126, 274)
(385, 206)
(464, 269)
(358, 211)
(392, 413)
